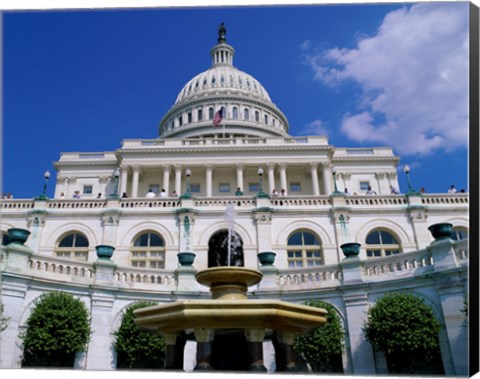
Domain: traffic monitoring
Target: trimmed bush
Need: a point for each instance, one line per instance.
(321, 349)
(135, 347)
(57, 329)
(406, 330)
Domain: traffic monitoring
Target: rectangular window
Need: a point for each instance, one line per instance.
(224, 187)
(155, 188)
(189, 117)
(253, 187)
(295, 187)
(364, 186)
(195, 187)
(87, 189)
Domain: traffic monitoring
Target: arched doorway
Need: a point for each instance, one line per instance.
(218, 249)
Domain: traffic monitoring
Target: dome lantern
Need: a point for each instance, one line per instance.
(248, 109)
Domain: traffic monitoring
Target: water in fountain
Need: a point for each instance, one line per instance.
(230, 218)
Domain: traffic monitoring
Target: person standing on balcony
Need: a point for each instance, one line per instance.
(452, 189)
(150, 194)
(239, 192)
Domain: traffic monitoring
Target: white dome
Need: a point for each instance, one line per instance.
(221, 78)
(247, 108)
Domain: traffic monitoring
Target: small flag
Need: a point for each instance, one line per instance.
(218, 118)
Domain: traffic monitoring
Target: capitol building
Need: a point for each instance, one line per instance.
(224, 161)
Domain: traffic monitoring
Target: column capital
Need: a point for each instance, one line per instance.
(203, 335)
(391, 175)
(239, 166)
(136, 168)
(282, 165)
(270, 165)
(71, 180)
(313, 165)
(124, 168)
(62, 179)
(208, 166)
(166, 166)
(178, 167)
(380, 175)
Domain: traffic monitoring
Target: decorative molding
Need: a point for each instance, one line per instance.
(36, 220)
(380, 175)
(71, 180)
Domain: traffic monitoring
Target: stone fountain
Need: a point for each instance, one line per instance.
(229, 329)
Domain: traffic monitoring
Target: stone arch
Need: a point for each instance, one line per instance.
(144, 227)
(311, 226)
(73, 227)
(213, 228)
(386, 225)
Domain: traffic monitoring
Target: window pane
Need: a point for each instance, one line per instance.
(387, 238)
(373, 238)
(67, 241)
(309, 239)
(155, 240)
(364, 186)
(80, 241)
(253, 187)
(142, 240)
(295, 239)
(195, 187)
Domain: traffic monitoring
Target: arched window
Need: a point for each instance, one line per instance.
(266, 119)
(381, 243)
(304, 250)
(148, 251)
(235, 113)
(200, 115)
(459, 233)
(73, 246)
(257, 116)
(210, 113)
(246, 114)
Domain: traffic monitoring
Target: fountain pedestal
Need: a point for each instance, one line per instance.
(229, 328)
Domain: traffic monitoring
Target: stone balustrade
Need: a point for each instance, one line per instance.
(60, 269)
(443, 199)
(76, 204)
(312, 277)
(400, 264)
(410, 264)
(150, 203)
(15, 204)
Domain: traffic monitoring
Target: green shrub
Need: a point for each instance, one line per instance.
(321, 349)
(57, 329)
(406, 330)
(137, 348)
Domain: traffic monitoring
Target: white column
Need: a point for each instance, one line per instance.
(327, 178)
(166, 179)
(178, 179)
(314, 173)
(135, 178)
(240, 167)
(123, 179)
(283, 176)
(208, 178)
(271, 177)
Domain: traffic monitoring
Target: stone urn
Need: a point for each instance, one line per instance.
(186, 258)
(441, 231)
(104, 251)
(350, 249)
(266, 258)
(17, 235)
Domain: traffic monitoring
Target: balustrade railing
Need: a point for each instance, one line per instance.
(300, 201)
(375, 200)
(132, 276)
(420, 260)
(150, 203)
(313, 276)
(16, 204)
(76, 204)
(67, 268)
(442, 199)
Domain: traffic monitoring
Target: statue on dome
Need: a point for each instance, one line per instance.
(222, 32)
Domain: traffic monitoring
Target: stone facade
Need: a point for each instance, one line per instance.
(305, 226)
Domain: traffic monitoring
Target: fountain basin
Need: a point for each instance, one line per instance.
(230, 314)
(228, 282)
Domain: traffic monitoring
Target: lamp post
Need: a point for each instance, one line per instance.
(411, 191)
(114, 195)
(336, 192)
(187, 194)
(43, 196)
(260, 192)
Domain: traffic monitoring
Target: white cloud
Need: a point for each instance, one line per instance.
(315, 128)
(414, 79)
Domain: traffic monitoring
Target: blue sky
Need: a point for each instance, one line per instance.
(394, 74)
